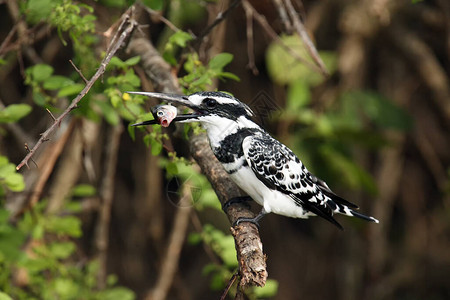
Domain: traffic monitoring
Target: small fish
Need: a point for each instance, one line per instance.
(164, 114)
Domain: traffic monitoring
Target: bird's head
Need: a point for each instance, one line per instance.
(212, 109)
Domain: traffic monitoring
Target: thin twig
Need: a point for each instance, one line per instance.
(300, 28)
(250, 42)
(220, 17)
(229, 285)
(266, 26)
(8, 38)
(170, 263)
(118, 39)
(28, 150)
(47, 168)
(51, 115)
(106, 195)
(283, 16)
(78, 71)
(161, 18)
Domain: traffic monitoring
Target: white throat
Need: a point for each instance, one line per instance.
(217, 128)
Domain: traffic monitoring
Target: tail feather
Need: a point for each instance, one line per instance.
(364, 217)
(345, 210)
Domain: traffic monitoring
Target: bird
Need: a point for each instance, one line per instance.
(264, 168)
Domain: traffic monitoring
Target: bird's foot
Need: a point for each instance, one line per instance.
(254, 220)
(242, 199)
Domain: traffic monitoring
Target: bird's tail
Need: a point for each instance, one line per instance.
(342, 206)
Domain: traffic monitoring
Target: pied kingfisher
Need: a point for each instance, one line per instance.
(268, 171)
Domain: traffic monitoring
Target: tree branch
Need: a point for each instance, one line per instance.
(116, 43)
(106, 199)
(247, 241)
(170, 263)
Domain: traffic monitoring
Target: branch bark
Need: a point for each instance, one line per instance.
(252, 261)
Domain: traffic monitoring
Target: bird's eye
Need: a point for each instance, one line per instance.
(210, 102)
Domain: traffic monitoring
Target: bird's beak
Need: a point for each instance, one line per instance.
(171, 98)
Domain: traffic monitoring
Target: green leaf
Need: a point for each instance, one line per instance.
(116, 293)
(298, 96)
(194, 238)
(15, 182)
(132, 61)
(11, 238)
(222, 245)
(56, 82)
(109, 113)
(229, 76)
(62, 250)
(156, 147)
(40, 72)
(132, 78)
(219, 61)
(65, 288)
(4, 296)
(180, 38)
(383, 112)
(268, 291)
(285, 68)
(117, 62)
(83, 190)
(37, 10)
(71, 90)
(14, 112)
(67, 225)
(172, 168)
(154, 4)
(132, 131)
(8, 174)
(39, 99)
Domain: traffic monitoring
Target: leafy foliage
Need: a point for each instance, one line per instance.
(9, 178)
(50, 250)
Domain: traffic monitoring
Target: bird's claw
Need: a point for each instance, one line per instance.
(242, 199)
(243, 219)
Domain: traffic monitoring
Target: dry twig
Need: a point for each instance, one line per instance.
(300, 28)
(106, 197)
(78, 71)
(170, 263)
(273, 35)
(220, 17)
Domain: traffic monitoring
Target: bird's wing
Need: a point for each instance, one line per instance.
(280, 169)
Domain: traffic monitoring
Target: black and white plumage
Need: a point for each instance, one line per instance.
(268, 171)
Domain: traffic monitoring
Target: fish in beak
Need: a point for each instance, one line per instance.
(163, 114)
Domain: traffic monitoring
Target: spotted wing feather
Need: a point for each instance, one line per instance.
(279, 168)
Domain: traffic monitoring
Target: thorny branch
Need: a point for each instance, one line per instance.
(252, 261)
(120, 36)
